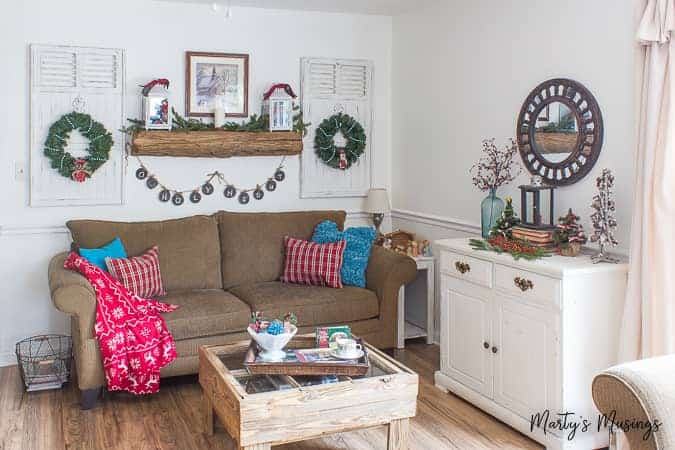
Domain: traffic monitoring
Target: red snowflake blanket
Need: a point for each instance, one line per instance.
(133, 337)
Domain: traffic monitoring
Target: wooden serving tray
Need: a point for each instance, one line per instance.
(358, 368)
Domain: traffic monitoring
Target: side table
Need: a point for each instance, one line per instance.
(407, 330)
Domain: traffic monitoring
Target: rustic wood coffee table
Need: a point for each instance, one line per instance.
(259, 411)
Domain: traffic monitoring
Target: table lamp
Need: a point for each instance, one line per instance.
(377, 204)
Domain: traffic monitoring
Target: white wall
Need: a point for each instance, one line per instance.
(155, 36)
(461, 71)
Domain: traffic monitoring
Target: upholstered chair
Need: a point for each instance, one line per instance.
(640, 394)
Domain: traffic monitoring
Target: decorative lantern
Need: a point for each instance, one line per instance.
(278, 104)
(540, 217)
(157, 105)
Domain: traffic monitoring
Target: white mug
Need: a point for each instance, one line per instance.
(347, 346)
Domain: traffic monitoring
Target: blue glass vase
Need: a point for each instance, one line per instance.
(490, 210)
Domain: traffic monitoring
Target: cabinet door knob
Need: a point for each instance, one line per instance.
(495, 349)
(486, 345)
(523, 283)
(462, 267)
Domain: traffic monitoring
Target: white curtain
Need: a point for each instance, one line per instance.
(649, 312)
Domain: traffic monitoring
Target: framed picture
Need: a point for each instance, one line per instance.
(216, 77)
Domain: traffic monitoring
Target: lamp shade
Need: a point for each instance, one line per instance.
(377, 201)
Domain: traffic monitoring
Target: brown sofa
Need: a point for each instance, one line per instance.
(219, 268)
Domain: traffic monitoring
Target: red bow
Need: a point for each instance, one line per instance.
(284, 86)
(151, 84)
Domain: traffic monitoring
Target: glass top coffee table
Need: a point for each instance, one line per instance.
(259, 411)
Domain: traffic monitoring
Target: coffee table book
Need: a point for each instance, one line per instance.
(259, 411)
(292, 366)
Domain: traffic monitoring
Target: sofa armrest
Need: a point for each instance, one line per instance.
(72, 294)
(640, 391)
(387, 272)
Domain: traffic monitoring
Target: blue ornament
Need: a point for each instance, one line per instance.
(207, 188)
(271, 185)
(275, 327)
(177, 199)
(195, 197)
(230, 191)
(164, 195)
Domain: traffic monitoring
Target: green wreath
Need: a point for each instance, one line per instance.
(100, 143)
(324, 142)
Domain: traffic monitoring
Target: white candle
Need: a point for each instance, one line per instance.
(219, 116)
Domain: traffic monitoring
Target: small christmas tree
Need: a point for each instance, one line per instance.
(603, 219)
(506, 222)
(569, 234)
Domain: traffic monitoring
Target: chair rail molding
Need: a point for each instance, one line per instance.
(21, 230)
(448, 223)
(27, 230)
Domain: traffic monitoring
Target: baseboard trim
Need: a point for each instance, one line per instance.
(7, 359)
(448, 223)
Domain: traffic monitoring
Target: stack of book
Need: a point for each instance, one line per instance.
(538, 238)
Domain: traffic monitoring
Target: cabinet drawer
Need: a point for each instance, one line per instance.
(467, 268)
(524, 284)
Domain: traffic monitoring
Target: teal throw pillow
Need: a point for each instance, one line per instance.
(357, 252)
(97, 256)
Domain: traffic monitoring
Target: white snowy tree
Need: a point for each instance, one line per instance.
(604, 222)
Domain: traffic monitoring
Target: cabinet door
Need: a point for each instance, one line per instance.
(465, 331)
(526, 363)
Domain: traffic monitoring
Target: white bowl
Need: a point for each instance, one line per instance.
(272, 344)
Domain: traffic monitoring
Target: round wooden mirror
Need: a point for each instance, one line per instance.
(560, 131)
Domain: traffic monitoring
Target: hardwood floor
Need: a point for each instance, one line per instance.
(172, 419)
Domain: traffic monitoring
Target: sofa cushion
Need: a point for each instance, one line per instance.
(97, 256)
(189, 254)
(252, 244)
(313, 264)
(205, 312)
(359, 241)
(313, 305)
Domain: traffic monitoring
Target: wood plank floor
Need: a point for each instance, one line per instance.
(172, 419)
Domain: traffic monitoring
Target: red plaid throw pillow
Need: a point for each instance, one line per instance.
(139, 274)
(312, 263)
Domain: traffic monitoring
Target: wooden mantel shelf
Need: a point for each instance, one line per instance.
(216, 143)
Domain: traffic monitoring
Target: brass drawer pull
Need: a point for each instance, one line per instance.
(523, 283)
(462, 267)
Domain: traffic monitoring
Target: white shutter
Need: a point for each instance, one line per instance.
(56, 69)
(63, 79)
(352, 81)
(330, 86)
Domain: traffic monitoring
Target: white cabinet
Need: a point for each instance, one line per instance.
(467, 359)
(525, 346)
(521, 338)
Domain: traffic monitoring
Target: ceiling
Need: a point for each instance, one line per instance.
(382, 7)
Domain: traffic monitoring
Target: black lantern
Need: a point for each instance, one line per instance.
(540, 216)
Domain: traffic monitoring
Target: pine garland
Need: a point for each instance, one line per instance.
(516, 248)
(324, 142)
(255, 124)
(100, 143)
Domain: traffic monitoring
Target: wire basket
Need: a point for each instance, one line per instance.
(44, 361)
